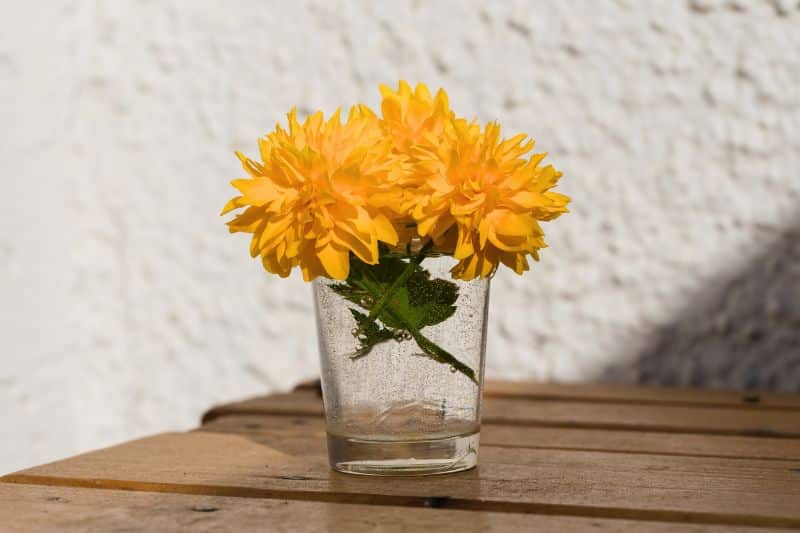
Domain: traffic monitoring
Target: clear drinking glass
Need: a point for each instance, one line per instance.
(396, 410)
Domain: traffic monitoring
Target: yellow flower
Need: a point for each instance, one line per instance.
(481, 197)
(323, 190)
(411, 118)
(316, 194)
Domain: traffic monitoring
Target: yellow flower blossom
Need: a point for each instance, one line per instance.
(413, 117)
(325, 189)
(309, 200)
(481, 196)
(410, 118)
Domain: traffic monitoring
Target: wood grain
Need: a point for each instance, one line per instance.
(280, 428)
(25, 508)
(640, 395)
(554, 457)
(611, 393)
(589, 484)
(610, 416)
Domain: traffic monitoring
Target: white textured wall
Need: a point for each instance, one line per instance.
(127, 309)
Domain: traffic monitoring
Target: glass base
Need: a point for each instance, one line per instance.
(419, 457)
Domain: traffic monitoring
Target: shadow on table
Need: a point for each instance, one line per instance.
(742, 332)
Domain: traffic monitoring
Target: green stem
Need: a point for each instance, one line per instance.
(431, 349)
(439, 354)
(401, 280)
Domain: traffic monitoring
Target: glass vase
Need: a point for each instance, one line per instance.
(402, 389)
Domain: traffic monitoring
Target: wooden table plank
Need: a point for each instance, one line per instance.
(614, 393)
(25, 508)
(589, 414)
(589, 484)
(553, 457)
(640, 395)
(288, 427)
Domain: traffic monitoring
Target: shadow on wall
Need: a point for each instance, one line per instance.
(743, 333)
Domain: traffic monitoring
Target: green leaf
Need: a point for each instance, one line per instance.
(401, 299)
(436, 297)
(349, 292)
(402, 312)
(371, 334)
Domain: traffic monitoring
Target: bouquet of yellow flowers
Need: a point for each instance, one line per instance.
(365, 201)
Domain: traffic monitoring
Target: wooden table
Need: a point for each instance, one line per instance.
(553, 458)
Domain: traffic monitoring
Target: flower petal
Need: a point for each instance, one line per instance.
(335, 261)
(385, 230)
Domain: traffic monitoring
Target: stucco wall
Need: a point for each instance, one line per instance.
(127, 309)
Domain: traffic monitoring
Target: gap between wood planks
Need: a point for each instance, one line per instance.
(454, 503)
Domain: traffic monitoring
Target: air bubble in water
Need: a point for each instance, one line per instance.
(453, 369)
